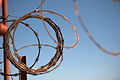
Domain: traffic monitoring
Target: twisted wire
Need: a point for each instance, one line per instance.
(58, 57)
(64, 18)
(22, 66)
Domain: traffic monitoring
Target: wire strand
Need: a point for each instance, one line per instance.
(89, 34)
(22, 66)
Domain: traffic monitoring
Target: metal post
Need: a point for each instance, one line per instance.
(23, 74)
(5, 11)
(6, 61)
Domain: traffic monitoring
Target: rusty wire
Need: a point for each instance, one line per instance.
(89, 34)
(22, 66)
(58, 57)
(38, 40)
(59, 42)
(40, 10)
(64, 18)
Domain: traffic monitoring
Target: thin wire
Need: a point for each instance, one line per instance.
(1, 47)
(40, 9)
(16, 51)
(36, 34)
(64, 18)
(89, 34)
(60, 42)
(2, 73)
(41, 4)
(13, 16)
(22, 66)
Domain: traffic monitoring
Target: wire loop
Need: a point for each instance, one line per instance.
(64, 18)
(89, 34)
(21, 66)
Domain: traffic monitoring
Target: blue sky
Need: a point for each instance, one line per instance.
(84, 62)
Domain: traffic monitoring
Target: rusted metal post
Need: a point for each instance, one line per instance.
(5, 11)
(23, 74)
(6, 61)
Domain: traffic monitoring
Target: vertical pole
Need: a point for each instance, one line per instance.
(23, 74)
(5, 11)
(6, 61)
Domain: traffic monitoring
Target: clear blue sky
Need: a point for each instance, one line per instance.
(84, 62)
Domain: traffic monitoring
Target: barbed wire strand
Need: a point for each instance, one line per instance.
(36, 34)
(60, 42)
(89, 34)
(40, 9)
(64, 18)
(22, 66)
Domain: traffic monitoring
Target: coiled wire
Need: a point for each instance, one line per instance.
(21, 66)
